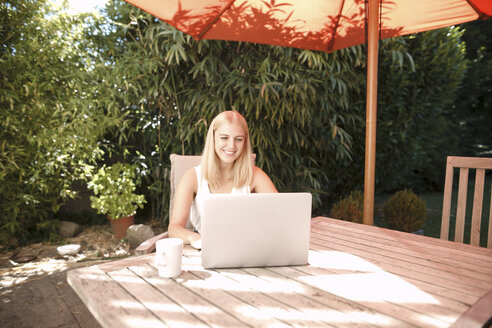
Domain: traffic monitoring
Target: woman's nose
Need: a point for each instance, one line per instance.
(232, 143)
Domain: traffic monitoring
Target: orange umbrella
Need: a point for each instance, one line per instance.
(325, 25)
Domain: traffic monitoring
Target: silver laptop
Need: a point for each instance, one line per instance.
(252, 230)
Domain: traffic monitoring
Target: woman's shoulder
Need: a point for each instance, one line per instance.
(189, 178)
(257, 171)
(261, 182)
(191, 172)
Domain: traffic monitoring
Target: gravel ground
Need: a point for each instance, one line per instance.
(36, 260)
(33, 287)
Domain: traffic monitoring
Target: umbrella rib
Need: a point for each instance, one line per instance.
(332, 40)
(479, 13)
(215, 19)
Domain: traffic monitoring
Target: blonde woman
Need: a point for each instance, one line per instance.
(226, 167)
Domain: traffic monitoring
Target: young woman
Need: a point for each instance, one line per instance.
(226, 167)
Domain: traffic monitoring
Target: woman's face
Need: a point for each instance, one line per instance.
(229, 142)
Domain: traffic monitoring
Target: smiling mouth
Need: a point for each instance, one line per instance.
(229, 152)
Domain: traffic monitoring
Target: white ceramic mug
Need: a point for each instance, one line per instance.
(168, 254)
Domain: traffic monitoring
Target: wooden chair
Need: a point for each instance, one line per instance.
(179, 165)
(465, 164)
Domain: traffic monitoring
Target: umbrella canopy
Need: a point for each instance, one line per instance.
(324, 25)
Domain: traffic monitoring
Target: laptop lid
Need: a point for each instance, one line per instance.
(251, 230)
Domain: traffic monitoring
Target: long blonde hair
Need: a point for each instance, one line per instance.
(242, 172)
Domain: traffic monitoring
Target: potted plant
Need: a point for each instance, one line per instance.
(114, 195)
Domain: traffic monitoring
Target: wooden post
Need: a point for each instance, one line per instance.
(371, 111)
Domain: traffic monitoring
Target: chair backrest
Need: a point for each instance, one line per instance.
(465, 164)
(179, 165)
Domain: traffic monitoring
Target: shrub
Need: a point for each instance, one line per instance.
(404, 211)
(114, 190)
(349, 208)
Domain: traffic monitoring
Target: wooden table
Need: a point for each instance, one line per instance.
(358, 276)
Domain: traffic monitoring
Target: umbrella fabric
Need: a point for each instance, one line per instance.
(324, 25)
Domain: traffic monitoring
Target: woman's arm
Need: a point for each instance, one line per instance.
(183, 198)
(261, 182)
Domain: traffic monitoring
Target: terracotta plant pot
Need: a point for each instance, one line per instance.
(120, 225)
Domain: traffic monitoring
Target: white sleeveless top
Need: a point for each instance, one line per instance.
(202, 192)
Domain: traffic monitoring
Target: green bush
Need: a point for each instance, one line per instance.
(349, 208)
(52, 120)
(114, 188)
(404, 211)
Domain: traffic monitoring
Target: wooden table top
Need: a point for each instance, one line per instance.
(358, 276)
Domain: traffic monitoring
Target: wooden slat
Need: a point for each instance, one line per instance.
(268, 303)
(465, 163)
(476, 162)
(312, 302)
(477, 207)
(376, 290)
(489, 235)
(448, 249)
(148, 246)
(461, 210)
(445, 289)
(351, 312)
(478, 316)
(110, 304)
(192, 302)
(213, 290)
(446, 203)
(159, 304)
(405, 255)
(404, 268)
(121, 264)
(412, 251)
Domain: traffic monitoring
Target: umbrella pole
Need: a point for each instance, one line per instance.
(371, 111)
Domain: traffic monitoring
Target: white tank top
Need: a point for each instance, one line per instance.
(201, 193)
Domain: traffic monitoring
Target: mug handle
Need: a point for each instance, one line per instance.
(160, 258)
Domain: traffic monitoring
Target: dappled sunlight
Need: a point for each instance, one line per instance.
(323, 315)
(215, 282)
(125, 276)
(325, 25)
(321, 25)
(370, 287)
(212, 284)
(369, 283)
(22, 272)
(164, 307)
(349, 317)
(340, 261)
(143, 321)
(336, 288)
(261, 283)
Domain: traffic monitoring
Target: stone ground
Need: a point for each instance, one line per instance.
(33, 288)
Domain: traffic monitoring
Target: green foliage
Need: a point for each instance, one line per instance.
(114, 190)
(49, 126)
(349, 208)
(414, 132)
(404, 211)
(472, 110)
